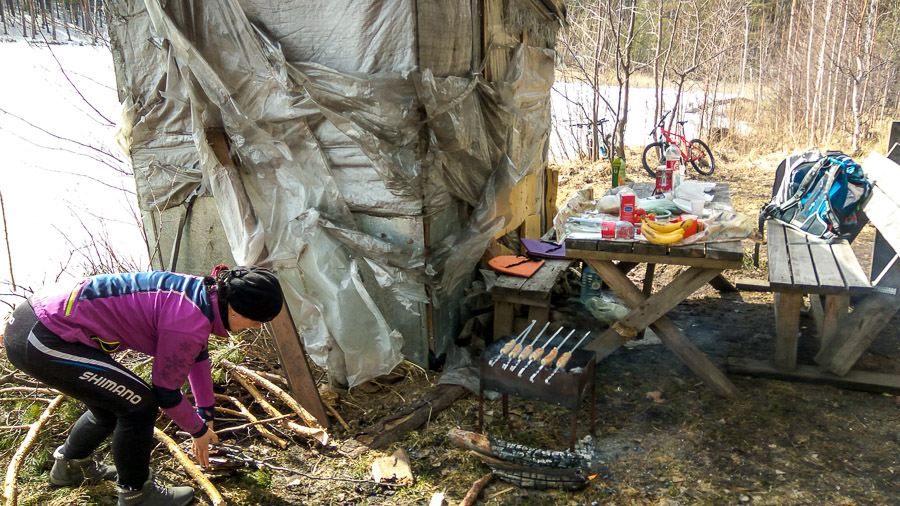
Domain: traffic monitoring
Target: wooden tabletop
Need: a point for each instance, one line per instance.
(723, 255)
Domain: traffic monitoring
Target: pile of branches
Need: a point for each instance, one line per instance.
(252, 402)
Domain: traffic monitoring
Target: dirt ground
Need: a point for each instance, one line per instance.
(662, 436)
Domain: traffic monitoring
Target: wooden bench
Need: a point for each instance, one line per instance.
(533, 292)
(830, 274)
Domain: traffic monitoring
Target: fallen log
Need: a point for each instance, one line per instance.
(195, 473)
(393, 427)
(531, 467)
(12, 470)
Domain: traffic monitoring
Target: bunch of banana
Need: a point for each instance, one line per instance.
(667, 233)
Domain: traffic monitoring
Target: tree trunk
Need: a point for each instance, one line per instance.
(3, 18)
(746, 51)
(65, 19)
(820, 76)
(595, 95)
(789, 66)
(33, 21)
(24, 28)
(808, 74)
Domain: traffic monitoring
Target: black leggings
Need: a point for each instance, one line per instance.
(119, 402)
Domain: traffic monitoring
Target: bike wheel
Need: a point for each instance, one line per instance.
(702, 158)
(653, 156)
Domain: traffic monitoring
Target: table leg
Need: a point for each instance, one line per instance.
(668, 333)
(593, 405)
(833, 311)
(503, 319)
(647, 288)
(505, 403)
(787, 329)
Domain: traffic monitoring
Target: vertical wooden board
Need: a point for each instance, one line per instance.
(444, 37)
(550, 195)
(296, 368)
(531, 228)
(801, 260)
(779, 261)
(495, 40)
(529, 190)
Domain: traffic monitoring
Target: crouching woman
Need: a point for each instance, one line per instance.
(66, 339)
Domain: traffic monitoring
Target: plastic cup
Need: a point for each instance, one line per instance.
(697, 207)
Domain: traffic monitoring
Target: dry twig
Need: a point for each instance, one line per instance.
(246, 413)
(275, 389)
(13, 469)
(190, 467)
(476, 489)
(318, 434)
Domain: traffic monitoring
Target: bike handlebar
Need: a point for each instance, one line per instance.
(660, 124)
(599, 122)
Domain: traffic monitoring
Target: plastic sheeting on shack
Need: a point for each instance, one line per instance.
(373, 167)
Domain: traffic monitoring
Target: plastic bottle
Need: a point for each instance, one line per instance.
(673, 157)
(618, 171)
(591, 284)
(624, 230)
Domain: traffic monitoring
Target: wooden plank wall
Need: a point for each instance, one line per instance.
(530, 201)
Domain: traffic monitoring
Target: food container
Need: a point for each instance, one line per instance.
(626, 208)
(663, 180)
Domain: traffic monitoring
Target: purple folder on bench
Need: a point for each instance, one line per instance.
(545, 249)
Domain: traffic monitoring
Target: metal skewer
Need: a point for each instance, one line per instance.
(538, 352)
(528, 349)
(511, 343)
(518, 349)
(565, 357)
(550, 357)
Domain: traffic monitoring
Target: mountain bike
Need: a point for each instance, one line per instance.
(605, 138)
(694, 152)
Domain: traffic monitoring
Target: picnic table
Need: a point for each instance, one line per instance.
(612, 259)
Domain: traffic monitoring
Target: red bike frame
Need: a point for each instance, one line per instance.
(684, 146)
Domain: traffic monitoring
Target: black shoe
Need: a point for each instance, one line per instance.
(152, 494)
(68, 472)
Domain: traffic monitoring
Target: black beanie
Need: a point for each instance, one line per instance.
(254, 292)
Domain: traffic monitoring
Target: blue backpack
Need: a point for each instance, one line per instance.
(819, 194)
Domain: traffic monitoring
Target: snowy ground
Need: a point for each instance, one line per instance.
(63, 178)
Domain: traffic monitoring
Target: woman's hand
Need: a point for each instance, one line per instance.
(201, 446)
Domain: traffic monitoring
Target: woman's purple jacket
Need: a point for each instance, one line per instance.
(166, 315)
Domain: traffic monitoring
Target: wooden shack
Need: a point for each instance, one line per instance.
(369, 152)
